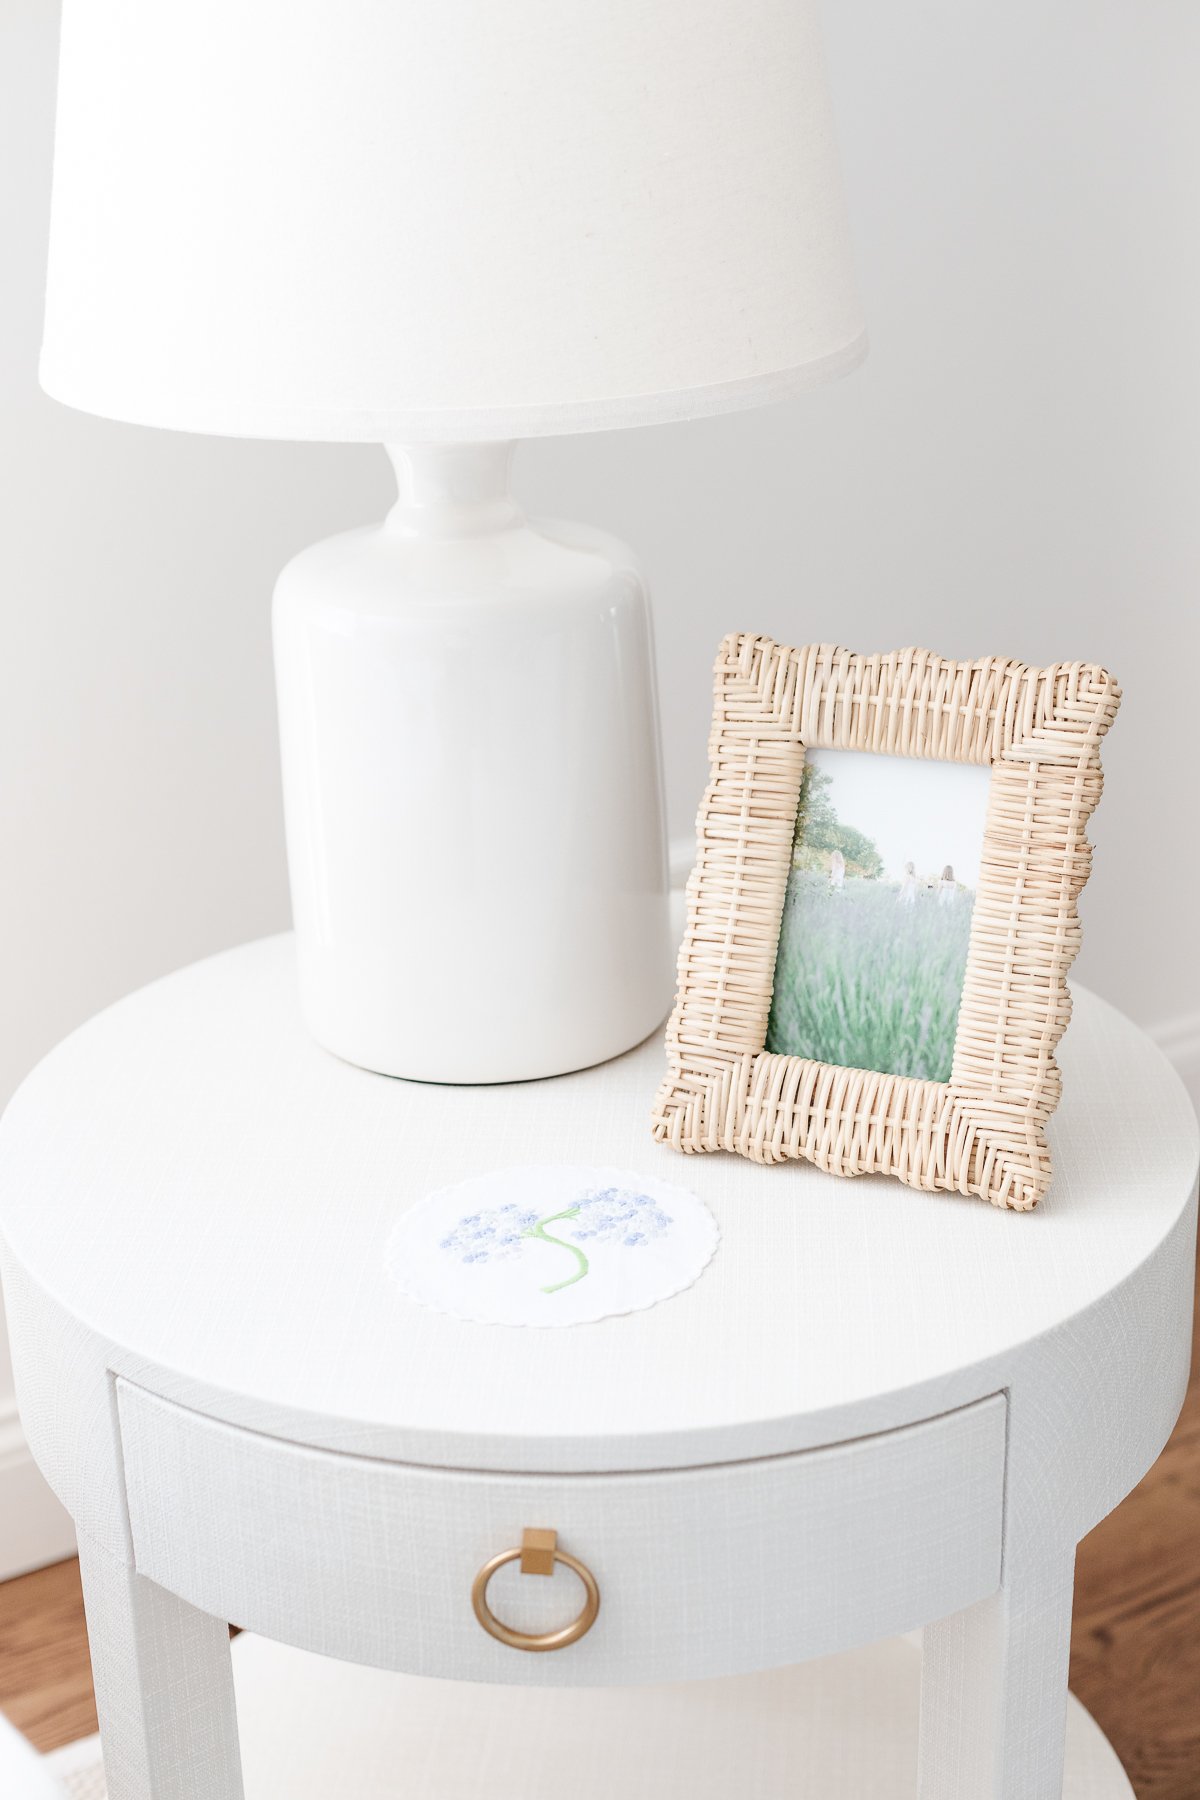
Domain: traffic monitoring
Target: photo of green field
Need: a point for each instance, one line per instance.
(873, 946)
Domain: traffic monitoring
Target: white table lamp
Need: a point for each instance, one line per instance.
(443, 227)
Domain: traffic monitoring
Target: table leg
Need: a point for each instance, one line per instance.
(164, 1687)
(994, 1689)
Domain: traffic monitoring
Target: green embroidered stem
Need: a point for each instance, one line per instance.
(539, 1231)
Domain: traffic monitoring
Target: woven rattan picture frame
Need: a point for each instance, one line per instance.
(984, 1131)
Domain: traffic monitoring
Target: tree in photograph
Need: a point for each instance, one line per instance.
(862, 858)
(819, 831)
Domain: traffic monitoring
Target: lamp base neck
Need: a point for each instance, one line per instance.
(453, 490)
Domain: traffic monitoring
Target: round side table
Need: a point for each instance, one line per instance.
(876, 1410)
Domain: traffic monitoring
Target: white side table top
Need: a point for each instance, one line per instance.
(208, 1193)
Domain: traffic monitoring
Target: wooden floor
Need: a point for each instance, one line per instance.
(1135, 1649)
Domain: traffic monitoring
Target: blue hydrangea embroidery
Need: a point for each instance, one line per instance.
(606, 1216)
(491, 1235)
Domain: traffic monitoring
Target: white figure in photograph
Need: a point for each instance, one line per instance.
(837, 870)
(908, 886)
(947, 887)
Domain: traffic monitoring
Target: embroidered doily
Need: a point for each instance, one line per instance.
(552, 1244)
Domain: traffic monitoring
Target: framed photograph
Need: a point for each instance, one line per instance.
(883, 913)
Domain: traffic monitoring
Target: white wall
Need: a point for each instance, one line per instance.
(1015, 470)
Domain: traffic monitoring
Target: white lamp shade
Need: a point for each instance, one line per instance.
(399, 219)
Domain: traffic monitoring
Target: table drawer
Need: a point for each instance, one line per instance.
(705, 1571)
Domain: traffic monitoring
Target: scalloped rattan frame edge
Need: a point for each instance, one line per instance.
(982, 1132)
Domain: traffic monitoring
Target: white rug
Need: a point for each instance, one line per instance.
(79, 1768)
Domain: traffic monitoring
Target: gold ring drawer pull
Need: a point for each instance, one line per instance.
(538, 1554)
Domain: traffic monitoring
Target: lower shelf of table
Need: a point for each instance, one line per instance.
(843, 1728)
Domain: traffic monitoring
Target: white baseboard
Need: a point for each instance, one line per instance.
(681, 855)
(34, 1527)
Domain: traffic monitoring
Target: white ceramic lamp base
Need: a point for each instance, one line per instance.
(472, 784)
